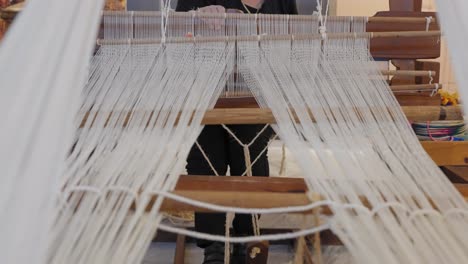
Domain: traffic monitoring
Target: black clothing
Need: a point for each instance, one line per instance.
(222, 150)
(214, 254)
(268, 7)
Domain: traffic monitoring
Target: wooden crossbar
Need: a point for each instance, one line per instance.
(246, 116)
(371, 35)
(237, 116)
(246, 192)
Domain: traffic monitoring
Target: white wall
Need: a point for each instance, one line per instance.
(360, 7)
(370, 7)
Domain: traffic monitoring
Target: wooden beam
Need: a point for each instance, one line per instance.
(238, 116)
(256, 38)
(416, 87)
(410, 73)
(418, 99)
(245, 184)
(248, 199)
(404, 48)
(447, 153)
(244, 116)
(463, 189)
(277, 185)
(235, 199)
(246, 192)
(390, 48)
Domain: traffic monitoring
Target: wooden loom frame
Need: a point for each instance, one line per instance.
(272, 192)
(267, 191)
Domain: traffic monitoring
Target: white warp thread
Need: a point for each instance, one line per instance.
(42, 71)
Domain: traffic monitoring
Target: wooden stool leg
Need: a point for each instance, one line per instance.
(300, 248)
(303, 254)
(317, 241)
(308, 258)
(179, 256)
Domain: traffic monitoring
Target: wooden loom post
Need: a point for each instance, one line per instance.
(179, 255)
(429, 48)
(300, 250)
(415, 7)
(406, 5)
(317, 242)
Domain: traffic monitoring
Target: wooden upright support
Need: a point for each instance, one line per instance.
(405, 54)
(179, 255)
(406, 5)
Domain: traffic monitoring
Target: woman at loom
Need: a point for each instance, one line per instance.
(222, 148)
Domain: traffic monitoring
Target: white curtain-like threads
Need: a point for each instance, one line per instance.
(43, 64)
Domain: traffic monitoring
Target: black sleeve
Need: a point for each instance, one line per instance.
(187, 5)
(292, 7)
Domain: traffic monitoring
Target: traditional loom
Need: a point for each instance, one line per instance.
(263, 193)
(231, 191)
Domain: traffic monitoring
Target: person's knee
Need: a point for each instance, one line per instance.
(243, 225)
(197, 164)
(205, 169)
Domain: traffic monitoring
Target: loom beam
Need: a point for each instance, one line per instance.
(409, 73)
(246, 192)
(251, 115)
(390, 48)
(372, 35)
(238, 116)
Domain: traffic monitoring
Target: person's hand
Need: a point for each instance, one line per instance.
(4, 3)
(212, 9)
(213, 23)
